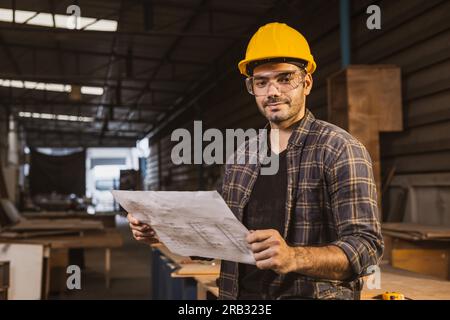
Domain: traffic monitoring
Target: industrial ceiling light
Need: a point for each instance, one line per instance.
(55, 87)
(45, 19)
(51, 116)
(96, 91)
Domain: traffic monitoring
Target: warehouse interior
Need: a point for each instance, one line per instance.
(88, 105)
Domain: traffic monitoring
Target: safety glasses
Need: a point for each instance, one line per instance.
(284, 81)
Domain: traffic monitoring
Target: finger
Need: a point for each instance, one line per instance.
(264, 264)
(147, 240)
(143, 234)
(261, 246)
(133, 220)
(263, 255)
(260, 235)
(142, 227)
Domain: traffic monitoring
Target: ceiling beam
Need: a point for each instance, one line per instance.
(187, 6)
(126, 34)
(109, 86)
(36, 102)
(45, 122)
(87, 80)
(75, 135)
(94, 133)
(79, 141)
(102, 54)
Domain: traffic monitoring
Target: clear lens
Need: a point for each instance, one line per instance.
(284, 81)
(249, 85)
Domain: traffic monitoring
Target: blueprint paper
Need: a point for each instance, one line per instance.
(190, 223)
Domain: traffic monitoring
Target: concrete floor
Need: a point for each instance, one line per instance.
(130, 272)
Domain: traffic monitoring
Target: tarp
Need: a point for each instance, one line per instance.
(61, 174)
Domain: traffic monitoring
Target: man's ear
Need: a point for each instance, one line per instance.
(308, 83)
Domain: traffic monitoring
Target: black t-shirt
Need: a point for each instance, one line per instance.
(264, 210)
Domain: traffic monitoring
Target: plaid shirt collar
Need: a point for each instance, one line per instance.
(301, 130)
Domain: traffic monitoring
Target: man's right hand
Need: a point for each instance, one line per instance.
(141, 231)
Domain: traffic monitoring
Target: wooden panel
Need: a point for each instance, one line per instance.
(206, 284)
(423, 139)
(366, 100)
(26, 270)
(415, 231)
(110, 238)
(199, 268)
(3, 186)
(59, 261)
(432, 262)
(373, 95)
(4, 274)
(437, 161)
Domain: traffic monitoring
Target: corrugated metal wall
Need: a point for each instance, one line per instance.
(415, 35)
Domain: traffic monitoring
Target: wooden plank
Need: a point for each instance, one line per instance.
(3, 188)
(109, 238)
(197, 268)
(34, 234)
(367, 89)
(417, 231)
(411, 148)
(26, 266)
(430, 118)
(11, 174)
(108, 219)
(60, 225)
(441, 179)
(434, 262)
(58, 262)
(206, 284)
(4, 274)
(360, 102)
(426, 24)
(438, 161)
(188, 267)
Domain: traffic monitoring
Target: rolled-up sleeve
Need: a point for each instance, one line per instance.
(354, 207)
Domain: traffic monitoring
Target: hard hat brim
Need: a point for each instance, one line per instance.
(242, 65)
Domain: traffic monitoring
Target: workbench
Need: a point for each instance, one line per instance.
(413, 285)
(107, 239)
(107, 218)
(175, 277)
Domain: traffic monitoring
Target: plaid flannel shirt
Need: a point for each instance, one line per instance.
(331, 200)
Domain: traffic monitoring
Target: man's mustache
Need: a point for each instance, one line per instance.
(273, 100)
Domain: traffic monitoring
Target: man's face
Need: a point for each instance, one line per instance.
(278, 106)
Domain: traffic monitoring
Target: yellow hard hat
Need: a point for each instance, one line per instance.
(274, 41)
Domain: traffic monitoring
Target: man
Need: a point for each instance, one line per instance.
(314, 226)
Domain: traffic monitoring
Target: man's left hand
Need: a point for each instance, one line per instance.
(271, 251)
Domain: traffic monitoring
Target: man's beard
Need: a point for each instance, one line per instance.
(283, 114)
